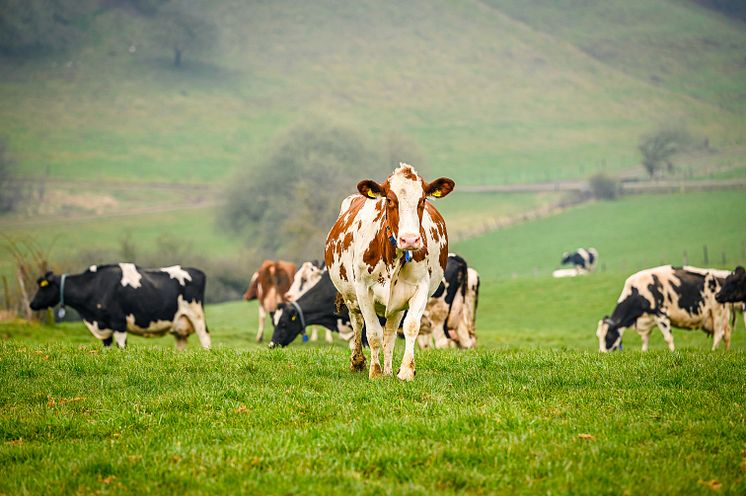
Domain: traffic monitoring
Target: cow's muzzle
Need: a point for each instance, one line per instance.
(409, 242)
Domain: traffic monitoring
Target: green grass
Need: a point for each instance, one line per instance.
(491, 95)
(630, 234)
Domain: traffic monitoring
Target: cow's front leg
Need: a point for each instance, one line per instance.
(121, 338)
(262, 318)
(389, 338)
(411, 329)
(328, 337)
(357, 359)
(665, 326)
(373, 330)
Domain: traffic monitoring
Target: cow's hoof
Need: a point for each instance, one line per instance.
(357, 364)
(406, 374)
(375, 371)
(388, 371)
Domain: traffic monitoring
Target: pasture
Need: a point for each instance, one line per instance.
(536, 409)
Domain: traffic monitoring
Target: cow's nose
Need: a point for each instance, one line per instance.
(409, 241)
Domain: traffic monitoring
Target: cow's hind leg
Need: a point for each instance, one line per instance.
(389, 338)
(357, 358)
(121, 338)
(665, 326)
(329, 337)
(262, 318)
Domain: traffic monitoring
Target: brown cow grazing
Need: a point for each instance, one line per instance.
(268, 285)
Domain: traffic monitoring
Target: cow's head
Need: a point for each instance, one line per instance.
(288, 325)
(609, 335)
(405, 193)
(48, 292)
(734, 287)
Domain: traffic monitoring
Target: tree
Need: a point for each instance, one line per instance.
(39, 26)
(286, 205)
(181, 28)
(659, 147)
(604, 187)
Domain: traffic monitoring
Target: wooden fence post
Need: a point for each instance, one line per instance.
(706, 258)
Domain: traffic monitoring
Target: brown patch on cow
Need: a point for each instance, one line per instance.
(440, 223)
(342, 272)
(408, 172)
(342, 225)
(435, 234)
(379, 249)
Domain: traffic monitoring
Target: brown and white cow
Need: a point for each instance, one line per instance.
(386, 253)
(268, 285)
(664, 296)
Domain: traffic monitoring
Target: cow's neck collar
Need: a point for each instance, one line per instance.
(61, 312)
(300, 314)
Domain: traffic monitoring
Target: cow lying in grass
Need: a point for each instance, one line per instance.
(116, 299)
(667, 296)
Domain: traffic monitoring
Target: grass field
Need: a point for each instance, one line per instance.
(536, 409)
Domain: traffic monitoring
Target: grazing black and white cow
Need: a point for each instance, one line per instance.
(664, 296)
(115, 299)
(305, 278)
(581, 259)
(448, 318)
(317, 306)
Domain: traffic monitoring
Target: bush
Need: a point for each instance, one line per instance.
(604, 187)
(285, 206)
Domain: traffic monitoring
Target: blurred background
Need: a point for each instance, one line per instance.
(217, 134)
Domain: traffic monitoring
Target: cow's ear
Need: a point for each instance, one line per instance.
(440, 187)
(370, 188)
(739, 270)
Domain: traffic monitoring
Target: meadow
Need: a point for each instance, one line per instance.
(535, 409)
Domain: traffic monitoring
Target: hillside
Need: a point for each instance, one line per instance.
(492, 91)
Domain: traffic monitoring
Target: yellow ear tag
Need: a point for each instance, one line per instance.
(293, 317)
(437, 193)
(44, 283)
(371, 194)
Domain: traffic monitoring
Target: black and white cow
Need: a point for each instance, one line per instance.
(305, 278)
(115, 299)
(581, 259)
(449, 316)
(317, 306)
(664, 296)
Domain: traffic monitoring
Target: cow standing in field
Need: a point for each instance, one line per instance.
(116, 299)
(307, 277)
(581, 259)
(449, 317)
(386, 253)
(268, 285)
(665, 296)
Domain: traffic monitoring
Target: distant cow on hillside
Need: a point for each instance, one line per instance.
(581, 259)
(664, 296)
(116, 299)
(269, 284)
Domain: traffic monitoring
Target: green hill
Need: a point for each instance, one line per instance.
(492, 91)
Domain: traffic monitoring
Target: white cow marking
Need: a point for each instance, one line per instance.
(92, 268)
(121, 339)
(176, 272)
(130, 275)
(98, 333)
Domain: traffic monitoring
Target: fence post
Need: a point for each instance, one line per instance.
(24, 296)
(724, 261)
(686, 258)
(707, 259)
(6, 293)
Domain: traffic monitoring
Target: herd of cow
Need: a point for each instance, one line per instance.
(387, 272)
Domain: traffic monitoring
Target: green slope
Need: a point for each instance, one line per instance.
(488, 97)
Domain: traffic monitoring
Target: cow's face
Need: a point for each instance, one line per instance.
(609, 335)
(48, 292)
(734, 287)
(287, 325)
(405, 193)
